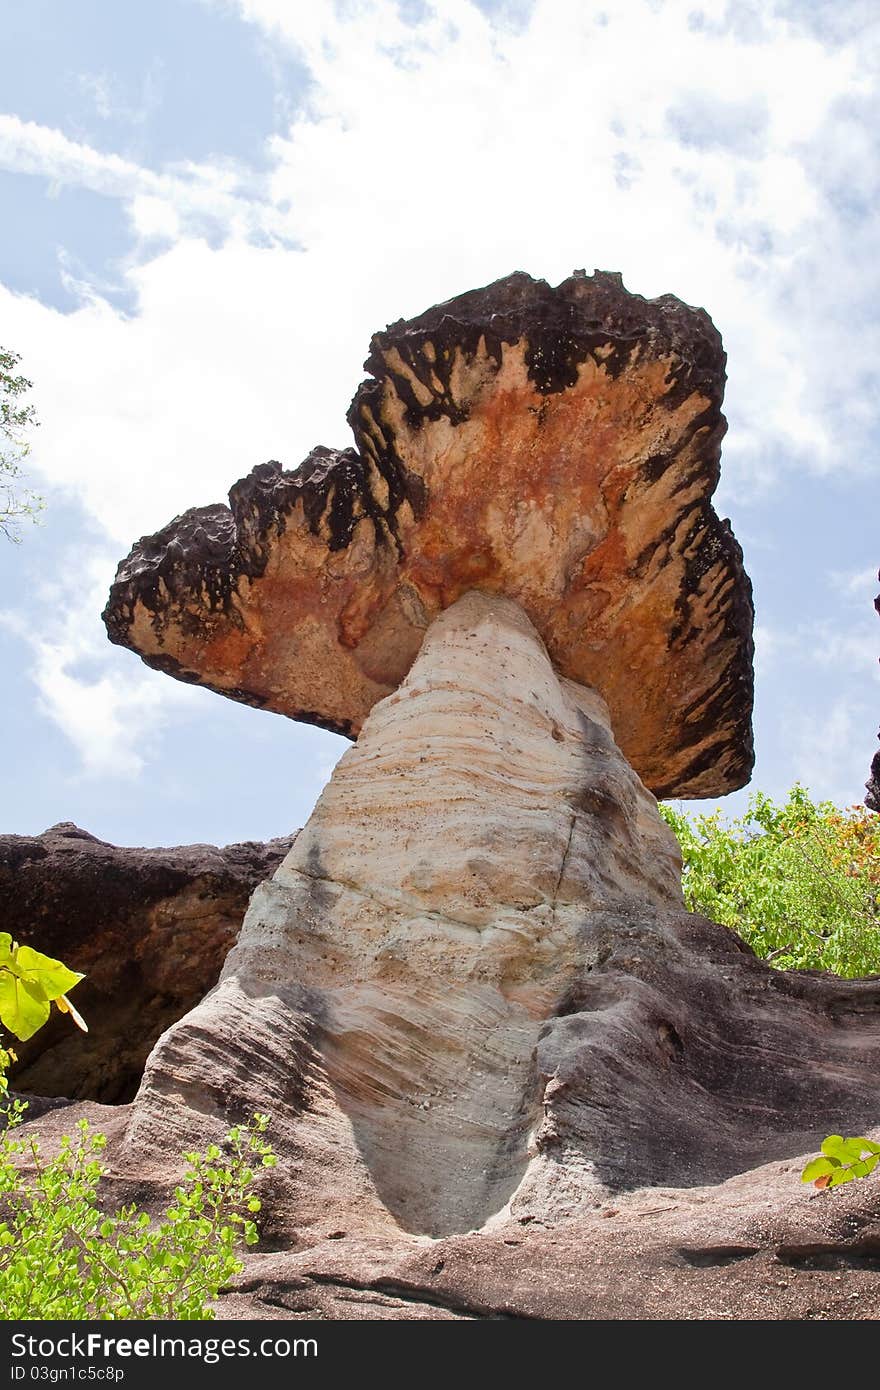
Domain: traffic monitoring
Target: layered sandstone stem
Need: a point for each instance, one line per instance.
(433, 906)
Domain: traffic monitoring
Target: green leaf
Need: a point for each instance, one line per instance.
(865, 1166)
(29, 983)
(866, 1144)
(24, 1007)
(120, 1266)
(854, 1148)
(53, 978)
(841, 1175)
(818, 1168)
(835, 1147)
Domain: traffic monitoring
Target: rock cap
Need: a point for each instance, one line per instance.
(559, 446)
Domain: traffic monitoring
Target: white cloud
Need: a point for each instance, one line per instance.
(112, 720)
(847, 645)
(99, 86)
(859, 585)
(828, 752)
(233, 358)
(697, 155)
(110, 100)
(436, 155)
(841, 649)
(464, 150)
(204, 197)
(155, 217)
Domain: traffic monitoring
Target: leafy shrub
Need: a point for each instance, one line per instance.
(61, 1256)
(798, 880)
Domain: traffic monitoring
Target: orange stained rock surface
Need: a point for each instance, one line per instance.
(588, 505)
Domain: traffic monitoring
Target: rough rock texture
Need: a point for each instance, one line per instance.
(559, 446)
(471, 997)
(757, 1247)
(149, 927)
(872, 800)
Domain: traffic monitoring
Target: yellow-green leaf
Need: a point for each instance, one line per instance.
(818, 1168)
(23, 1006)
(866, 1144)
(835, 1146)
(51, 975)
(841, 1175)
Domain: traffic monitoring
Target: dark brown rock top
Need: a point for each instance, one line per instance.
(150, 928)
(872, 800)
(559, 446)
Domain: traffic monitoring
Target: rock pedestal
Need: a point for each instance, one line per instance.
(470, 994)
(435, 904)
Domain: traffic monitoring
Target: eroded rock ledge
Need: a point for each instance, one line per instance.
(150, 928)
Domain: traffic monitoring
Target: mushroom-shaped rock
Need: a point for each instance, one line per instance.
(470, 997)
(558, 447)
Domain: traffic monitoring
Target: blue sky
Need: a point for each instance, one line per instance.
(209, 205)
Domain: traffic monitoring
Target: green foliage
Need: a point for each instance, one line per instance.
(841, 1161)
(61, 1256)
(30, 983)
(16, 501)
(7, 1057)
(799, 881)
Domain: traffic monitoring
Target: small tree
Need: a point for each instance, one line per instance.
(799, 880)
(16, 502)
